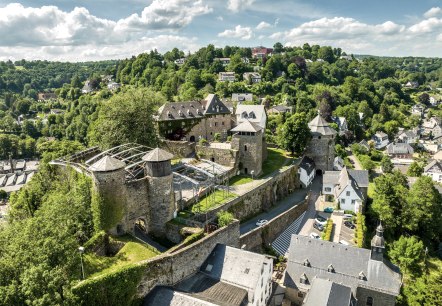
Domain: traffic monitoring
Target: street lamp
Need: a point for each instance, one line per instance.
(81, 250)
(252, 173)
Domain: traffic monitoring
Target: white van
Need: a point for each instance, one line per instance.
(344, 242)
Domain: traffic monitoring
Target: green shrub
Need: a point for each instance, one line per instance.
(327, 235)
(217, 137)
(361, 229)
(202, 142)
(224, 218)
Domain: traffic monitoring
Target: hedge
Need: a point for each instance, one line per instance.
(113, 288)
(361, 229)
(328, 230)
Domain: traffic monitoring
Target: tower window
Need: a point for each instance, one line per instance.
(369, 301)
(245, 148)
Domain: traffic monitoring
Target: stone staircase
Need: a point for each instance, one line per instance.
(282, 243)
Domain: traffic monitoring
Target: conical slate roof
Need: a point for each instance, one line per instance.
(107, 163)
(157, 155)
(247, 126)
(320, 126)
(378, 239)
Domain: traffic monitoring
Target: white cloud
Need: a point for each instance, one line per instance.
(240, 32)
(433, 12)
(263, 25)
(237, 5)
(220, 18)
(427, 26)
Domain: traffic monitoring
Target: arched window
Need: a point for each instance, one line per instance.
(245, 148)
(369, 301)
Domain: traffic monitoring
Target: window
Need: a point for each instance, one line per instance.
(222, 123)
(369, 301)
(216, 123)
(342, 201)
(353, 202)
(300, 294)
(319, 137)
(245, 148)
(327, 189)
(348, 193)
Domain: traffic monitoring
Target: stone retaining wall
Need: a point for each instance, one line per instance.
(178, 148)
(265, 235)
(225, 157)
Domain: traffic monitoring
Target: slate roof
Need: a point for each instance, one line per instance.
(360, 177)
(408, 134)
(240, 97)
(180, 111)
(107, 163)
(214, 106)
(165, 296)
(348, 262)
(307, 164)
(319, 126)
(380, 134)
(157, 155)
(281, 108)
(435, 164)
(399, 148)
(330, 177)
(327, 293)
(247, 126)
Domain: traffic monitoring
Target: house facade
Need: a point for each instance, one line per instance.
(252, 113)
(242, 97)
(380, 140)
(408, 136)
(253, 77)
(226, 77)
(434, 170)
(348, 187)
(306, 171)
(319, 271)
(279, 109)
(400, 150)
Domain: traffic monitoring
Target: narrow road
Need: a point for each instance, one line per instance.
(355, 161)
(284, 205)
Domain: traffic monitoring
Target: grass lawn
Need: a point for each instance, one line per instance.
(276, 158)
(213, 200)
(240, 180)
(133, 251)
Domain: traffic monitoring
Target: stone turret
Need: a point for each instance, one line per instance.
(248, 140)
(322, 145)
(378, 244)
(160, 185)
(109, 181)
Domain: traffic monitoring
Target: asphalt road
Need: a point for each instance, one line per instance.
(284, 205)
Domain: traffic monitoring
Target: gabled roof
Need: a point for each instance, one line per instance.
(214, 106)
(157, 155)
(180, 111)
(348, 263)
(360, 177)
(319, 126)
(327, 293)
(254, 113)
(380, 134)
(247, 126)
(307, 164)
(407, 133)
(107, 163)
(281, 108)
(433, 165)
(399, 148)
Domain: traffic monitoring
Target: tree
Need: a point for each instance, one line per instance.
(415, 169)
(366, 162)
(127, 117)
(295, 134)
(386, 164)
(407, 252)
(422, 213)
(424, 99)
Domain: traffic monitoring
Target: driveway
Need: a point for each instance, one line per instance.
(355, 161)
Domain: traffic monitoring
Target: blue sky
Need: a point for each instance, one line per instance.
(98, 29)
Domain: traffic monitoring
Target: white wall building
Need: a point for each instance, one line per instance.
(434, 170)
(252, 113)
(306, 171)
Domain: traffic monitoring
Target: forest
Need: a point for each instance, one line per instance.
(43, 270)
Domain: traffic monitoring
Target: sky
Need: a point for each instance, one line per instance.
(83, 30)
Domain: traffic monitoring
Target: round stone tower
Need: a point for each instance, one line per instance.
(160, 190)
(110, 200)
(322, 145)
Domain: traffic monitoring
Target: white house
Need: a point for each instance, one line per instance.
(349, 188)
(380, 140)
(252, 113)
(306, 171)
(227, 76)
(224, 60)
(180, 61)
(431, 127)
(242, 97)
(253, 77)
(434, 101)
(113, 86)
(407, 136)
(434, 170)
(338, 163)
(342, 124)
(418, 109)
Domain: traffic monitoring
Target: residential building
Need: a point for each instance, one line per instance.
(252, 113)
(400, 150)
(16, 173)
(242, 97)
(56, 111)
(226, 76)
(418, 109)
(229, 276)
(380, 140)
(363, 143)
(434, 170)
(87, 88)
(253, 77)
(45, 96)
(431, 128)
(407, 136)
(261, 52)
(338, 163)
(279, 109)
(224, 60)
(411, 84)
(113, 86)
(245, 60)
(349, 188)
(180, 61)
(435, 101)
(342, 124)
(306, 171)
(346, 57)
(321, 147)
(327, 273)
(194, 120)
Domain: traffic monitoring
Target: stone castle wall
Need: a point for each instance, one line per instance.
(379, 298)
(225, 157)
(250, 153)
(178, 148)
(162, 203)
(209, 126)
(137, 193)
(264, 235)
(170, 268)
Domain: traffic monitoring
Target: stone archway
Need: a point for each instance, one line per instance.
(192, 138)
(140, 225)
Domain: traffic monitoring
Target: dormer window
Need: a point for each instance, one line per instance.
(198, 112)
(362, 276)
(188, 112)
(244, 115)
(307, 263)
(181, 113)
(303, 279)
(331, 269)
(169, 115)
(252, 115)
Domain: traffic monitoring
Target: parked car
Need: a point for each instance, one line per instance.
(328, 209)
(348, 216)
(349, 225)
(314, 236)
(344, 242)
(261, 222)
(320, 220)
(318, 226)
